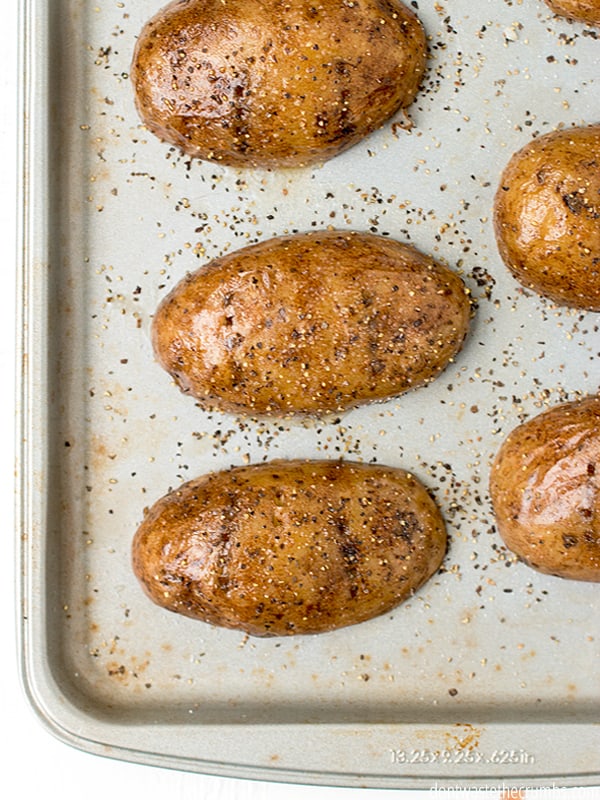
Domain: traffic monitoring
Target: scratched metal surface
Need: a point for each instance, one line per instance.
(479, 675)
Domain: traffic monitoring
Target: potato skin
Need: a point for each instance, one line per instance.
(275, 83)
(545, 489)
(547, 216)
(581, 10)
(311, 323)
(290, 547)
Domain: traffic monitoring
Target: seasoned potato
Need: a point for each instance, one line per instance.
(290, 547)
(311, 323)
(547, 216)
(545, 489)
(581, 10)
(267, 83)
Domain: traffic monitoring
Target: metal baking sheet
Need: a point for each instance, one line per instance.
(490, 673)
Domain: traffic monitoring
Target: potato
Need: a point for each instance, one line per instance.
(311, 323)
(547, 216)
(545, 489)
(290, 547)
(581, 10)
(267, 83)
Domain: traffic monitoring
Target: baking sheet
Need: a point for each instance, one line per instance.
(490, 672)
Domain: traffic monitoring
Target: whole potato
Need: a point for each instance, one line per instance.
(275, 83)
(311, 323)
(545, 489)
(581, 10)
(547, 216)
(290, 547)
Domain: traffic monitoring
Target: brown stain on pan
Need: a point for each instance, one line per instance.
(464, 737)
(129, 672)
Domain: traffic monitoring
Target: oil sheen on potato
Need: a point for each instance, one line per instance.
(545, 489)
(290, 547)
(547, 216)
(311, 323)
(275, 83)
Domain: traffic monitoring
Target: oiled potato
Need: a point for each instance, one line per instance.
(581, 10)
(290, 547)
(545, 489)
(547, 216)
(311, 323)
(275, 83)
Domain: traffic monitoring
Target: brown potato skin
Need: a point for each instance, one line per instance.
(290, 547)
(311, 323)
(547, 216)
(545, 489)
(275, 83)
(581, 10)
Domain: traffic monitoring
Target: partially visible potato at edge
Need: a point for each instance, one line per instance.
(275, 83)
(545, 489)
(581, 10)
(547, 216)
(311, 323)
(290, 547)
